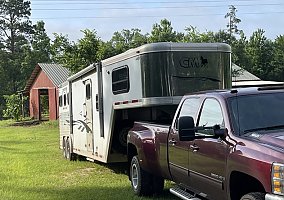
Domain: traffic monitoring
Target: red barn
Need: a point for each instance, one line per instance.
(42, 88)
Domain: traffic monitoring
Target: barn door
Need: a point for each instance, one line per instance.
(89, 115)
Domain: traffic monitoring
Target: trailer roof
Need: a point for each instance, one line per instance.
(82, 72)
(168, 46)
(157, 47)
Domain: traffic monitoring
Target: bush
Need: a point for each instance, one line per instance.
(13, 106)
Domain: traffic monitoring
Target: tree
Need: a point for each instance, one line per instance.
(38, 51)
(260, 53)
(233, 21)
(278, 61)
(14, 25)
(14, 21)
(194, 35)
(13, 106)
(40, 43)
(164, 32)
(127, 39)
(76, 56)
(239, 54)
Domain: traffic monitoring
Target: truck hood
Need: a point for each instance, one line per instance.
(271, 139)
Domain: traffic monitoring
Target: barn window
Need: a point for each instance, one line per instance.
(120, 80)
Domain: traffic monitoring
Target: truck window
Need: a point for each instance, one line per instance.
(189, 107)
(256, 112)
(211, 114)
(120, 80)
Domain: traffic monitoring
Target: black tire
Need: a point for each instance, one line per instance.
(254, 196)
(69, 155)
(64, 148)
(140, 179)
(158, 184)
(120, 137)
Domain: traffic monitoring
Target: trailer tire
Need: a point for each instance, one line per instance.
(120, 142)
(254, 196)
(64, 148)
(69, 155)
(140, 179)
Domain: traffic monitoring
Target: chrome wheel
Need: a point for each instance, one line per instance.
(134, 176)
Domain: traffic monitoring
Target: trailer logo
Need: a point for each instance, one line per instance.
(81, 125)
(197, 62)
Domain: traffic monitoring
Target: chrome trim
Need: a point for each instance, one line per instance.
(273, 197)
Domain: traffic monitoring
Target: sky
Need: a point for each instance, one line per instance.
(70, 17)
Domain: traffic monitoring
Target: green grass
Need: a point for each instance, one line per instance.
(32, 168)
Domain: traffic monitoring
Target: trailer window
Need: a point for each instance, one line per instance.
(60, 101)
(120, 80)
(64, 100)
(67, 98)
(88, 91)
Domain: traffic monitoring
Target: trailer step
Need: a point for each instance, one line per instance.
(182, 193)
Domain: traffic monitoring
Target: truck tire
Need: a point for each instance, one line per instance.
(140, 179)
(254, 196)
(158, 184)
(69, 155)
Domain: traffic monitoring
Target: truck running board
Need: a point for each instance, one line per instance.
(182, 193)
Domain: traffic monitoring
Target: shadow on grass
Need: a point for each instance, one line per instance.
(89, 193)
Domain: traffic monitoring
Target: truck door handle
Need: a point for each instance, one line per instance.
(172, 141)
(194, 147)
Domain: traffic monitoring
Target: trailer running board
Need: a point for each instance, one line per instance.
(182, 193)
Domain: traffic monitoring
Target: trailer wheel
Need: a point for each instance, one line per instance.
(254, 196)
(140, 179)
(69, 155)
(120, 137)
(64, 148)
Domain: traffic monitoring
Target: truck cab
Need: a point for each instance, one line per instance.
(225, 144)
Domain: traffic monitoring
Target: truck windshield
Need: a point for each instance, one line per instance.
(257, 112)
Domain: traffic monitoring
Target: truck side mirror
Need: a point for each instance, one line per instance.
(186, 128)
(219, 132)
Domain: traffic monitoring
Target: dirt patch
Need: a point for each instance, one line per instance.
(26, 123)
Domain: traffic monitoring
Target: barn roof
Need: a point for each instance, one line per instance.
(243, 75)
(55, 72)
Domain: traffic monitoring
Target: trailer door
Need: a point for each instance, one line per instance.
(89, 114)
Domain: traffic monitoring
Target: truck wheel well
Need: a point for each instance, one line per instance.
(131, 151)
(241, 184)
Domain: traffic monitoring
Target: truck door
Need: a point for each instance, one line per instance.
(178, 150)
(207, 157)
(89, 114)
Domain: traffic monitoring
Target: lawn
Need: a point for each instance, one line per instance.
(33, 168)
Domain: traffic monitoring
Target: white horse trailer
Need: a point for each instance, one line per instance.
(99, 104)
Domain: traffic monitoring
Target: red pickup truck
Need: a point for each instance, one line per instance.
(226, 144)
